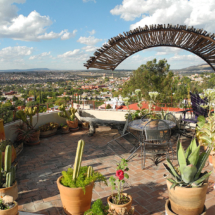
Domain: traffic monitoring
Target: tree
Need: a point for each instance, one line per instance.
(14, 98)
(152, 76)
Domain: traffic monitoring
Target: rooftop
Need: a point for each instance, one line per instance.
(40, 166)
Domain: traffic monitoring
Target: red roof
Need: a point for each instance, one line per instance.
(144, 106)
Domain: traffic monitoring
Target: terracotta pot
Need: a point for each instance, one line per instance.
(74, 200)
(153, 124)
(72, 124)
(11, 211)
(210, 158)
(2, 133)
(11, 191)
(213, 162)
(118, 208)
(187, 201)
(169, 211)
(48, 133)
(35, 139)
(13, 155)
(65, 130)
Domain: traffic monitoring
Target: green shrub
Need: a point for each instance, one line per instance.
(97, 208)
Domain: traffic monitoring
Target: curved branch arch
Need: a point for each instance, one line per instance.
(196, 41)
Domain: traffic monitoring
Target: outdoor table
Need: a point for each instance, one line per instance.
(139, 125)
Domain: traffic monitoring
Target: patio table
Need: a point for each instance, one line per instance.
(139, 125)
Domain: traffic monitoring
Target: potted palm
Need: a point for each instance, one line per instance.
(187, 185)
(28, 134)
(71, 119)
(8, 206)
(8, 183)
(48, 129)
(119, 201)
(76, 185)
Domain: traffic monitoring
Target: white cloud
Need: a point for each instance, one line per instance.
(89, 0)
(68, 35)
(69, 54)
(17, 53)
(90, 48)
(193, 12)
(92, 32)
(90, 41)
(27, 28)
(40, 56)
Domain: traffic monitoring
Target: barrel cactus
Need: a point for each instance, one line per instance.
(70, 114)
(191, 163)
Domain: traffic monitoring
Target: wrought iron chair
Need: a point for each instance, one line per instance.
(174, 131)
(197, 110)
(128, 136)
(157, 139)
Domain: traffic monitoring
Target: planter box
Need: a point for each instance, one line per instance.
(48, 133)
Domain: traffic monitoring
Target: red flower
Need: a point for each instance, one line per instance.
(120, 174)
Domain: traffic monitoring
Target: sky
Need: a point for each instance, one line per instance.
(63, 34)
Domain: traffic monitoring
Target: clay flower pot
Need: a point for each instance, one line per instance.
(48, 133)
(74, 200)
(187, 201)
(35, 139)
(65, 129)
(11, 211)
(153, 123)
(169, 211)
(118, 208)
(10, 191)
(213, 161)
(72, 124)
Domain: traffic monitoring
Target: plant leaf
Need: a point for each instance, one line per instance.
(181, 156)
(200, 180)
(194, 156)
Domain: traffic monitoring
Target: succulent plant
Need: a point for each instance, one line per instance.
(8, 172)
(191, 163)
(205, 131)
(70, 115)
(48, 126)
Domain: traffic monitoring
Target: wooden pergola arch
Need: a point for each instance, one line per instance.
(197, 41)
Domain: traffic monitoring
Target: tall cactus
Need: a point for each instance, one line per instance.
(29, 111)
(89, 171)
(9, 172)
(70, 115)
(78, 159)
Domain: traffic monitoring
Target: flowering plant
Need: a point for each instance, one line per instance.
(117, 184)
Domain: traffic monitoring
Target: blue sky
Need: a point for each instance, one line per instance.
(62, 34)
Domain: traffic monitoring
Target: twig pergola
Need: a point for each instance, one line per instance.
(197, 41)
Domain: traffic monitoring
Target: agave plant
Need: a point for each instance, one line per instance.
(191, 163)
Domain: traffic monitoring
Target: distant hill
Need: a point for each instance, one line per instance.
(194, 69)
(25, 70)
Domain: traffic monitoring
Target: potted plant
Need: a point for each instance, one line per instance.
(119, 201)
(76, 185)
(64, 129)
(8, 206)
(3, 144)
(205, 133)
(26, 132)
(72, 120)
(8, 183)
(48, 129)
(187, 185)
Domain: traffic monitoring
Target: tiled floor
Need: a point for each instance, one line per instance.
(40, 166)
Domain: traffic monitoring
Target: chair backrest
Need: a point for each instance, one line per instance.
(196, 105)
(157, 130)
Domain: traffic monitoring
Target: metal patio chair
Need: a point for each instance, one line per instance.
(128, 136)
(157, 140)
(192, 118)
(174, 131)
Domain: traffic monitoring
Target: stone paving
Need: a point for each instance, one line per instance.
(40, 166)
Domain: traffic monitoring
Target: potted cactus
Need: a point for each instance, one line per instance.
(3, 144)
(8, 206)
(76, 185)
(48, 129)
(8, 183)
(26, 132)
(187, 185)
(72, 120)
